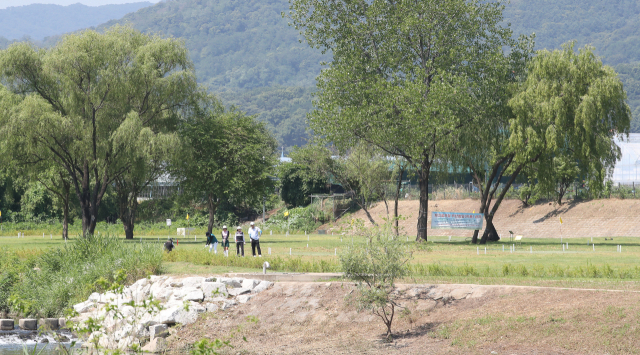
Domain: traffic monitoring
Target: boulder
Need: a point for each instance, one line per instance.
(214, 289)
(239, 291)
(192, 282)
(6, 324)
(28, 324)
(228, 304)
(250, 283)
(162, 293)
(62, 323)
(95, 297)
(211, 307)
(262, 286)
(83, 307)
(167, 316)
(158, 331)
(211, 279)
(195, 295)
(187, 317)
(244, 298)
(231, 283)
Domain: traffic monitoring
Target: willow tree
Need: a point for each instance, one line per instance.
(72, 102)
(403, 74)
(559, 124)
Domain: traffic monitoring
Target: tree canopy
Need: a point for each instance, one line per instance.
(85, 102)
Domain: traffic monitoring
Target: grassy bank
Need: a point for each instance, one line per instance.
(43, 283)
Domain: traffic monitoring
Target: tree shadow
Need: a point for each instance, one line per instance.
(559, 210)
(418, 332)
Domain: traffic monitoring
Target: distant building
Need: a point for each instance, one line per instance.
(284, 159)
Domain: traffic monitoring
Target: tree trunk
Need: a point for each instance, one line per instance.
(474, 239)
(395, 210)
(65, 208)
(490, 233)
(423, 215)
(212, 204)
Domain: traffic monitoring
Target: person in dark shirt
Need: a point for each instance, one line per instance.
(168, 246)
(239, 241)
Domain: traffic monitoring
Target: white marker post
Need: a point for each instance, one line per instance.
(449, 238)
(594, 247)
(335, 252)
(478, 250)
(271, 232)
(530, 249)
(42, 235)
(485, 250)
(563, 248)
(269, 251)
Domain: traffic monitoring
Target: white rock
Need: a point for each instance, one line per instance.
(262, 286)
(250, 283)
(156, 278)
(228, 304)
(83, 307)
(211, 279)
(211, 307)
(187, 317)
(147, 320)
(162, 293)
(234, 283)
(95, 297)
(214, 289)
(195, 295)
(244, 298)
(167, 316)
(175, 284)
(195, 306)
(239, 291)
(141, 283)
(192, 282)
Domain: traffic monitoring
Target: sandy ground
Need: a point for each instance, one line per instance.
(598, 218)
(317, 318)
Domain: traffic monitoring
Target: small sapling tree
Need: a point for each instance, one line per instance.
(375, 262)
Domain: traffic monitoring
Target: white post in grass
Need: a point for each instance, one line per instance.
(51, 236)
(530, 249)
(335, 252)
(594, 247)
(449, 238)
(269, 251)
(485, 250)
(563, 248)
(478, 250)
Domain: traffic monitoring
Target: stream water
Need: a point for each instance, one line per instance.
(13, 342)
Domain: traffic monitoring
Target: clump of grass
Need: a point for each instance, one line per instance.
(59, 277)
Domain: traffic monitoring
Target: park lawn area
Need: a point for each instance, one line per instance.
(537, 262)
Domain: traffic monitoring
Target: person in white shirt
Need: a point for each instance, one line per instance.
(254, 235)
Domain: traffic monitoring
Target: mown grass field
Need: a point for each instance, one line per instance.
(533, 262)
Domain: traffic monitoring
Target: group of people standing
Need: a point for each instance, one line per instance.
(254, 236)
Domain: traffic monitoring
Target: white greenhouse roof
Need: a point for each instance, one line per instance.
(627, 169)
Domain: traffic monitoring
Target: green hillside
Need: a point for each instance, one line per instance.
(245, 51)
(38, 21)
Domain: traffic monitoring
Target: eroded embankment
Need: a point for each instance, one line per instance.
(597, 218)
(317, 318)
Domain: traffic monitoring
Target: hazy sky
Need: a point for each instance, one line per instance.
(9, 3)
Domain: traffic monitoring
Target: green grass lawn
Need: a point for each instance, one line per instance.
(534, 261)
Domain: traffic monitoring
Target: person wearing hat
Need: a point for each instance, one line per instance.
(254, 235)
(225, 240)
(239, 241)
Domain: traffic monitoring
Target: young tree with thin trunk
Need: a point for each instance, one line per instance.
(71, 102)
(403, 74)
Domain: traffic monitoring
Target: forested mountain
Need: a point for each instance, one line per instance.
(38, 21)
(245, 51)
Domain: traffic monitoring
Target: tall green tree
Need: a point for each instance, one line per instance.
(227, 156)
(403, 73)
(72, 102)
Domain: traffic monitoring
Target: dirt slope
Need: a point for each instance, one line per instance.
(316, 318)
(598, 218)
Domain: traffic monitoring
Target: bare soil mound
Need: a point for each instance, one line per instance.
(317, 318)
(597, 218)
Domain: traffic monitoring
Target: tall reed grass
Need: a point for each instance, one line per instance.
(60, 277)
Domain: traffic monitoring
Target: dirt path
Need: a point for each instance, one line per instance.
(598, 218)
(317, 318)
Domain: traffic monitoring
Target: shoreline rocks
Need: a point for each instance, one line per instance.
(127, 320)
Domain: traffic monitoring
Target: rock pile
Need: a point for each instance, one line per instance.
(128, 320)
